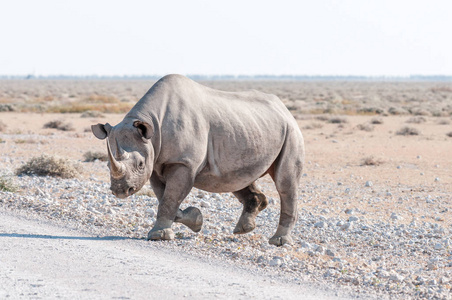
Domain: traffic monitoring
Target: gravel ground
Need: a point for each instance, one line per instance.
(398, 257)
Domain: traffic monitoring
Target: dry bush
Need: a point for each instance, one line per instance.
(337, 120)
(366, 127)
(92, 156)
(7, 107)
(443, 122)
(313, 125)
(408, 131)
(60, 125)
(371, 161)
(45, 165)
(2, 126)
(323, 118)
(92, 114)
(376, 121)
(6, 184)
(416, 120)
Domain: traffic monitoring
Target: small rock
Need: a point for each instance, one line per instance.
(349, 211)
(353, 219)
(444, 280)
(320, 224)
(437, 179)
(151, 212)
(205, 204)
(432, 282)
(276, 261)
(396, 277)
(399, 167)
(395, 217)
(347, 226)
(369, 183)
(438, 246)
(329, 253)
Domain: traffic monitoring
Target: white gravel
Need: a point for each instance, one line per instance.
(340, 245)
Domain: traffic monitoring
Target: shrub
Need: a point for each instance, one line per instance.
(408, 131)
(6, 184)
(416, 120)
(337, 120)
(92, 156)
(48, 166)
(366, 127)
(92, 114)
(60, 125)
(376, 121)
(443, 122)
(449, 134)
(313, 125)
(371, 161)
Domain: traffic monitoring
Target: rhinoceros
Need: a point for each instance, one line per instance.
(182, 134)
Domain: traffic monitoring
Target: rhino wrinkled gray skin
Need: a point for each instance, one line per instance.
(182, 135)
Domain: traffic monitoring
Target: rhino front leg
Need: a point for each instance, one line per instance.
(179, 182)
(253, 201)
(190, 217)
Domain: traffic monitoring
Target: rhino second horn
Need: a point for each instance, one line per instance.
(116, 166)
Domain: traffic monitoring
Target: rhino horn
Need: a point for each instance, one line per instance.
(121, 154)
(115, 166)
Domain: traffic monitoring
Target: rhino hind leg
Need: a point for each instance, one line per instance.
(253, 201)
(286, 175)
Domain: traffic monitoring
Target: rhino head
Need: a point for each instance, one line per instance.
(130, 155)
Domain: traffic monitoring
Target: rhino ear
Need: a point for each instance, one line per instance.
(145, 129)
(101, 131)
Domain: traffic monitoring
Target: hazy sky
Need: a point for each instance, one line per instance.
(355, 37)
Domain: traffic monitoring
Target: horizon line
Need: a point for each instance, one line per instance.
(300, 77)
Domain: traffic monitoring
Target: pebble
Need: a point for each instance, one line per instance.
(369, 184)
(205, 204)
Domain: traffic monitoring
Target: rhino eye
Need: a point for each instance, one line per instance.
(141, 165)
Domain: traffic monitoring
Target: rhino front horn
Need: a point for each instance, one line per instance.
(116, 167)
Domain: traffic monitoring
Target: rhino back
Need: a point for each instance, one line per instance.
(226, 136)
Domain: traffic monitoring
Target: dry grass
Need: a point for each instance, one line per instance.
(60, 125)
(92, 156)
(48, 166)
(408, 131)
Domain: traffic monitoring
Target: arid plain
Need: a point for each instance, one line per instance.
(375, 200)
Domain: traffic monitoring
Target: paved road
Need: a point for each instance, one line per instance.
(41, 260)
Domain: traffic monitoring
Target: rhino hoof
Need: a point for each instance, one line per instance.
(281, 240)
(245, 228)
(190, 217)
(162, 234)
